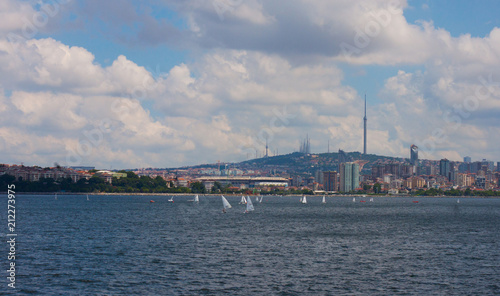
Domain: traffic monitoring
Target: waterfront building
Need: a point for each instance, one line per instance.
(349, 176)
(330, 181)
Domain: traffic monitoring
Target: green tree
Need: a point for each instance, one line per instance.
(197, 187)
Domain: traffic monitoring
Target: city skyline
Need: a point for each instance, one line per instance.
(169, 84)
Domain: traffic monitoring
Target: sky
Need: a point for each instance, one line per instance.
(167, 83)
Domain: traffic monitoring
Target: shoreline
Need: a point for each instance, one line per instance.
(230, 194)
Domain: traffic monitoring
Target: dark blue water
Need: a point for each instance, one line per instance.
(125, 245)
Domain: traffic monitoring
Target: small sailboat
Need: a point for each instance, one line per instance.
(243, 200)
(171, 199)
(87, 197)
(324, 200)
(249, 205)
(304, 200)
(353, 199)
(458, 200)
(261, 199)
(371, 199)
(196, 199)
(226, 205)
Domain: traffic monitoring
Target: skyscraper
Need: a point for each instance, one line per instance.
(414, 155)
(444, 168)
(364, 138)
(467, 159)
(349, 176)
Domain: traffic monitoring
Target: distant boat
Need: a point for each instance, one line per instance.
(151, 201)
(249, 205)
(324, 199)
(55, 196)
(371, 199)
(87, 197)
(261, 198)
(226, 205)
(415, 201)
(458, 200)
(304, 200)
(353, 199)
(243, 200)
(171, 199)
(196, 199)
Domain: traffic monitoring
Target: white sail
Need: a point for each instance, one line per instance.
(261, 199)
(458, 200)
(324, 199)
(225, 203)
(243, 200)
(87, 197)
(249, 205)
(171, 199)
(371, 199)
(196, 198)
(353, 199)
(304, 200)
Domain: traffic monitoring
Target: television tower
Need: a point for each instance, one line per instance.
(364, 138)
(267, 155)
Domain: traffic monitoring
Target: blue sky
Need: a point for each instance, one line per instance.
(188, 82)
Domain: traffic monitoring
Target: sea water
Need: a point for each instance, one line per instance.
(127, 245)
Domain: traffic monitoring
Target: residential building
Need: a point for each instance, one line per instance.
(349, 176)
(330, 181)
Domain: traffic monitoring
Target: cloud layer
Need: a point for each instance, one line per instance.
(262, 71)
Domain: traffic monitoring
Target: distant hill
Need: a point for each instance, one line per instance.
(310, 163)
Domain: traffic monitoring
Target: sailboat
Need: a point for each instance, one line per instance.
(261, 199)
(371, 199)
(171, 199)
(196, 199)
(87, 197)
(243, 200)
(458, 200)
(304, 200)
(324, 199)
(225, 204)
(249, 205)
(353, 199)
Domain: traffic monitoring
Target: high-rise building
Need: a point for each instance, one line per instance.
(498, 166)
(319, 177)
(467, 159)
(489, 164)
(364, 135)
(444, 168)
(330, 181)
(349, 176)
(414, 154)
